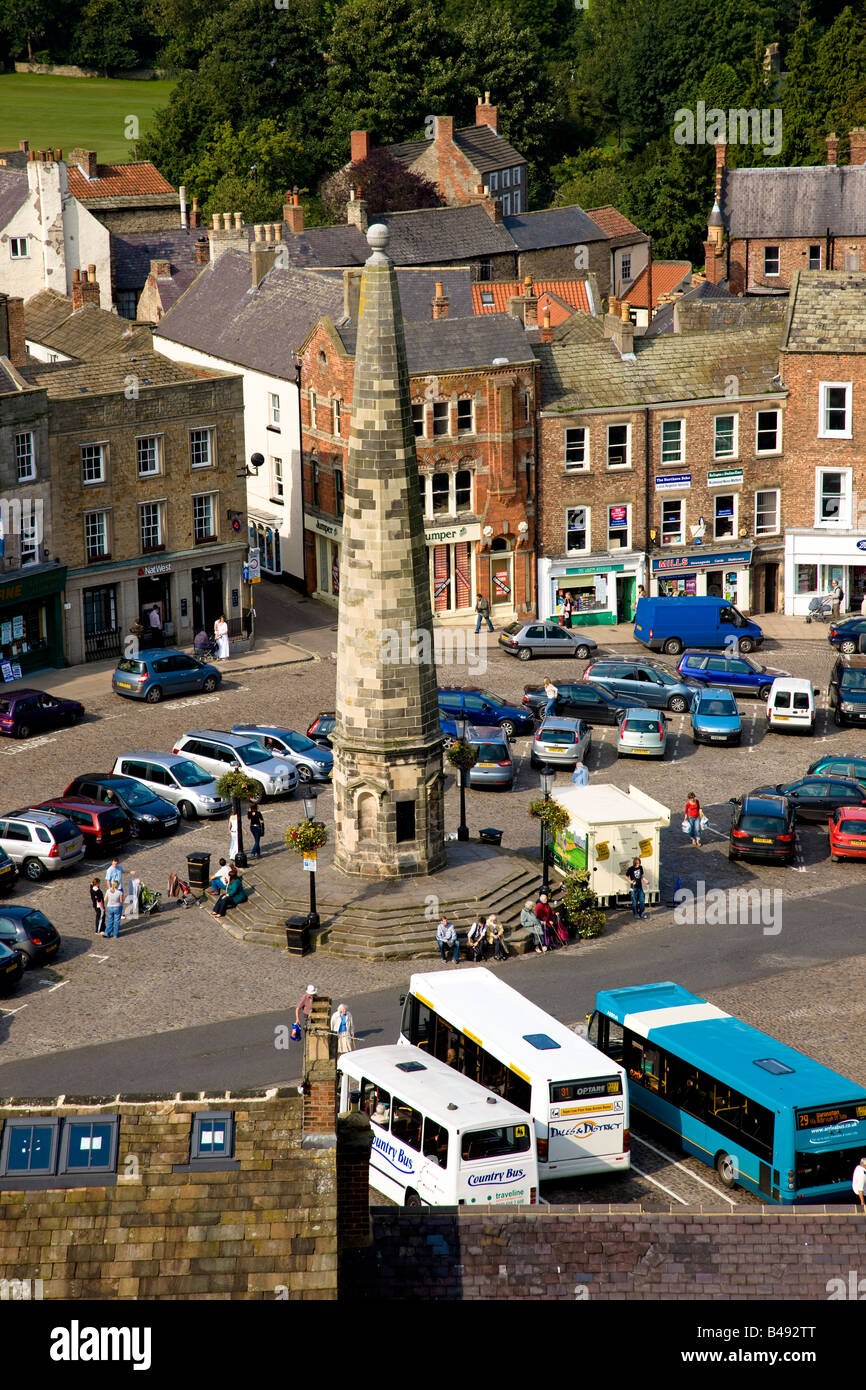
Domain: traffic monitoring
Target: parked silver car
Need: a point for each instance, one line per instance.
(561, 742)
(178, 780)
(545, 638)
(642, 733)
(217, 752)
(40, 842)
(495, 766)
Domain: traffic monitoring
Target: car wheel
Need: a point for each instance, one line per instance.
(509, 786)
(525, 654)
(746, 644)
(583, 651)
(24, 959)
(507, 727)
(848, 646)
(764, 692)
(727, 1170)
(262, 795)
(23, 731)
(209, 684)
(304, 773)
(186, 810)
(154, 695)
(732, 856)
(448, 740)
(678, 704)
(673, 646)
(33, 870)
(835, 858)
(134, 830)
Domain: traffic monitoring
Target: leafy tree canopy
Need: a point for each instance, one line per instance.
(386, 186)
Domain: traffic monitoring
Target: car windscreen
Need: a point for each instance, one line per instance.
(492, 752)
(853, 680)
(513, 628)
(253, 755)
(717, 707)
(762, 825)
(188, 775)
(562, 736)
(494, 1143)
(299, 743)
(642, 726)
(131, 667)
(852, 827)
(133, 794)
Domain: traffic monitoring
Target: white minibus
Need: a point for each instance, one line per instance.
(439, 1139)
(577, 1097)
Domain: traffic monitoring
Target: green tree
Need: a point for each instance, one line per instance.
(386, 186)
(25, 22)
(591, 179)
(669, 197)
(109, 34)
(183, 28)
(249, 170)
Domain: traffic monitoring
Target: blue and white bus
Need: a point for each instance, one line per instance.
(766, 1117)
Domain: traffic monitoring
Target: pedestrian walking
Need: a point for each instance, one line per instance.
(567, 610)
(113, 912)
(692, 817)
(114, 875)
(221, 633)
(551, 693)
(342, 1025)
(257, 829)
(545, 915)
(304, 1005)
(529, 920)
(580, 775)
(133, 896)
(482, 608)
(636, 875)
(446, 940)
(154, 622)
(496, 937)
(837, 593)
(858, 1183)
(863, 604)
(233, 834)
(476, 938)
(97, 898)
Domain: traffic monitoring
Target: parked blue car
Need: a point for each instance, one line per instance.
(715, 717)
(480, 707)
(739, 673)
(163, 671)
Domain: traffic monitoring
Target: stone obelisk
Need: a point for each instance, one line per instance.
(388, 787)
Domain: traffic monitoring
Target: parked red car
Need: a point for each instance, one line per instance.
(848, 833)
(105, 828)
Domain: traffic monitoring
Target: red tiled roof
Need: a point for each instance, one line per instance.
(568, 295)
(612, 222)
(667, 275)
(117, 181)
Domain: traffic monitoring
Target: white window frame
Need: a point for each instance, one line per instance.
(820, 250)
(470, 401)
(625, 267)
(587, 548)
(493, 181)
(515, 203)
(767, 251)
(673, 502)
(767, 492)
(777, 449)
(213, 534)
(29, 538)
(157, 442)
(18, 249)
(681, 456)
(735, 453)
(25, 453)
(102, 446)
(844, 518)
(277, 481)
(451, 509)
(824, 387)
(273, 410)
(336, 417)
(506, 204)
(627, 546)
(159, 503)
(313, 410)
(208, 431)
(583, 465)
(104, 513)
(619, 424)
(515, 174)
(505, 180)
(735, 519)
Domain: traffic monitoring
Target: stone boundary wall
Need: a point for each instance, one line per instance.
(68, 70)
(585, 1253)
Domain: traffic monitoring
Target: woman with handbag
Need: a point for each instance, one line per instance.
(693, 816)
(567, 610)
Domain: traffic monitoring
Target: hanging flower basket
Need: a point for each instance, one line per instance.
(554, 817)
(462, 755)
(236, 786)
(307, 836)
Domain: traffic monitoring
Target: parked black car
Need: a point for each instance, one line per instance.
(582, 700)
(814, 798)
(762, 827)
(28, 931)
(147, 814)
(322, 728)
(8, 872)
(846, 690)
(25, 712)
(11, 968)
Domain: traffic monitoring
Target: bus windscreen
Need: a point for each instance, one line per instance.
(494, 1143)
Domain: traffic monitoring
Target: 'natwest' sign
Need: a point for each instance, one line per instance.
(148, 571)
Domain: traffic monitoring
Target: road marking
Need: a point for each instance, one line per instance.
(677, 1164)
(59, 985)
(4, 1012)
(682, 1201)
(94, 956)
(26, 745)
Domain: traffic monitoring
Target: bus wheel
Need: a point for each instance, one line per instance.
(727, 1169)
(412, 1199)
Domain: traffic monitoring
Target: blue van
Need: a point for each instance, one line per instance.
(670, 624)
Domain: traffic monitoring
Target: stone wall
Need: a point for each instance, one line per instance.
(585, 1253)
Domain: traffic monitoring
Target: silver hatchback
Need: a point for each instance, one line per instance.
(561, 742)
(642, 733)
(177, 779)
(495, 765)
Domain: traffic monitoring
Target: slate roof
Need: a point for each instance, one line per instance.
(483, 147)
(532, 231)
(318, 247)
(827, 312)
(433, 235)
(14, 159)
(571, 293)
(7, 384)
(132, 253)
(589, 375)
(443, 345)
(88, 333)
(667, 276)
(615, 225)
(108, 375)
(795, 202)
(13, 194)
(664, 319)
(118, 181)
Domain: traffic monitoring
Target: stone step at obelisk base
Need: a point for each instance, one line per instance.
(390, 921)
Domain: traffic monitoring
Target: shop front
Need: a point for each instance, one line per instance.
(602, 593)
(327, 539)
(704, 573)
(31, 620)
(813, 559)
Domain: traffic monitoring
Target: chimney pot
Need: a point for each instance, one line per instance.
(832, 147)
(546, 330)
(91, 273)
(24, 146)
(76, 276)
(239, 222)
(215, 222)
(58, 155)
(202, 251)
(857, 145)
(259, 232)
(227, 221)
(84, 288)
(624, 312)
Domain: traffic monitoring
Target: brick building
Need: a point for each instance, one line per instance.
(660, 464)
(766, 224)
(144, 460)
(131, 197)
(474, 391)
(823, 366)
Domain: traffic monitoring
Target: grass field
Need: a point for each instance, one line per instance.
(76, 112)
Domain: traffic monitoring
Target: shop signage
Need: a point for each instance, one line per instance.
(447, 535)
(705, 561)
(596, 569)
(618, 517)
(861, 545)
(323, 528)
(674, 482)
(49, 581)
(721, 477)
(151, 571)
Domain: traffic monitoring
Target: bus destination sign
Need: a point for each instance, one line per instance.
(832, 1115)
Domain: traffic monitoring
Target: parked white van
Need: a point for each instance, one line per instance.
(791, 705)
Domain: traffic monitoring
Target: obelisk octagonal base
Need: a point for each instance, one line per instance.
(389, 807)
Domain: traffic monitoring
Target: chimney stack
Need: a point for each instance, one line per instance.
(227, 221)
(12, 344)
(439, 302)
(184, 220)
(202, 251)
(195, 215)
(857, 139)
(360, 146)
(721, 158)
(546, 330)
(444, 130)
(161, 269)
(239, 221)
(293, 214)
(832, 148)
(352, 292)
(356, 211)
(485, 114)
(623, 331)
(261, 258)
(84, 288)
(215, 222)
(86, 161)
(24, 146)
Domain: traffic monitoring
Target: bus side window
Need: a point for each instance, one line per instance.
(518, 1091)
(406, 1124)
(373, 1096)
(422, 1025)
(435, 1143)
(613, 1039)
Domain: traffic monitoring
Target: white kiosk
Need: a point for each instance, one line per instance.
(607, 828)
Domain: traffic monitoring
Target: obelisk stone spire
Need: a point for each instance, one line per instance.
(388, 741)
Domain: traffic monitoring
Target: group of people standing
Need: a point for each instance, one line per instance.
(548, 928)
(256, 824)
(108, 903)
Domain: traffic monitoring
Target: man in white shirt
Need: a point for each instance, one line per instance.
(858, 1183)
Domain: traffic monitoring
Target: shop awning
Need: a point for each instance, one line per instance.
(36, 581)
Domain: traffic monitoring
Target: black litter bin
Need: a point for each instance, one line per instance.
(297, 936)
(490, 836)
(198, 869)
